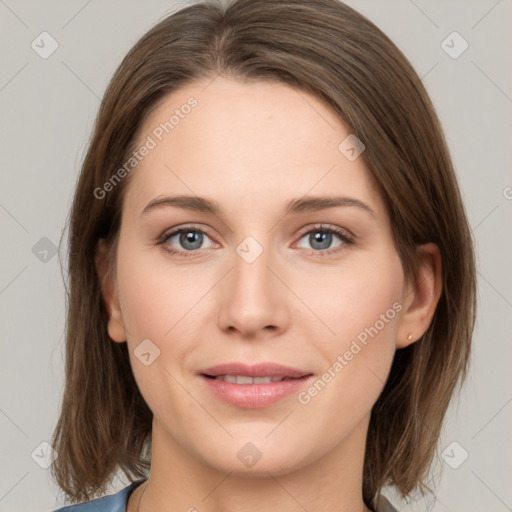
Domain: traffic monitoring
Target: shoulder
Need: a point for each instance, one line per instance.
(384, 505)
(111, 503)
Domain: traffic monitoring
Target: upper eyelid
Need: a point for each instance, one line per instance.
(327, 227)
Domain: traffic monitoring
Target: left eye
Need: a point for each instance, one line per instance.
(321, 239)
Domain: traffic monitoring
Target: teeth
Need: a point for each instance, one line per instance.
(244, 379)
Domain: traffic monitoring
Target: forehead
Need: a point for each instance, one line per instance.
(254, 140)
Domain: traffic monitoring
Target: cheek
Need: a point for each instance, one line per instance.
(350, 298)
(154, 295)
(157, 304)
(359, 308)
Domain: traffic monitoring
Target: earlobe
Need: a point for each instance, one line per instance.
(115, 325)
(422, 299)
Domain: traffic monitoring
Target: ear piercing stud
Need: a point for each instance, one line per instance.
(409, 337)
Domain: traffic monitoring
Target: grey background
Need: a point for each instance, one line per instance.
(47, 109)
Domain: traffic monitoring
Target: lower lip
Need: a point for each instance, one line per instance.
(253, 396)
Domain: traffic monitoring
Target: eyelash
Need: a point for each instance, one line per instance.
(319, 228)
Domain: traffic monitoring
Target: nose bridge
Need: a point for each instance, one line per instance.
(253, 299)
(252, 277)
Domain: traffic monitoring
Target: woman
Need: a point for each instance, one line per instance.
(205, 341)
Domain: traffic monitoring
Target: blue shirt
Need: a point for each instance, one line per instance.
(117, 502)
(112, 503)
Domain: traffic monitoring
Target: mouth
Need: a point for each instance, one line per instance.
(244, 371)
(256, 386)
(246, 379)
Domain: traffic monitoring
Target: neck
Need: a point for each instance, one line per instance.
(180, 480)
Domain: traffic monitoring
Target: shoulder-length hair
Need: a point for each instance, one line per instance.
(329, 50)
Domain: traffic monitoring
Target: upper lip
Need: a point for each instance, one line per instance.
(257, 370)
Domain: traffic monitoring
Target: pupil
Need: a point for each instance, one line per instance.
(190, 237)
(325, 237)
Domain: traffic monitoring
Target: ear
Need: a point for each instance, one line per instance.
(115, 326)
(421, 296)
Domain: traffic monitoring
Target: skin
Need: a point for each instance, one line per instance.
(252, 147)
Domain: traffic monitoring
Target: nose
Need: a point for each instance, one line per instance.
(253, 296)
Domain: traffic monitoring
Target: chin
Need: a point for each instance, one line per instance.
(256, 458)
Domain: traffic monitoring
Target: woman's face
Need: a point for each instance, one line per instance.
(261, 280)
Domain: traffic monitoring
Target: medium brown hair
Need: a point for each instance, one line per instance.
(329, 50)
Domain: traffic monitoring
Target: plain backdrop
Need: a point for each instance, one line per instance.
(47, 109)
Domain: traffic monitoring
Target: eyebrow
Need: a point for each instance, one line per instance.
(304, 204)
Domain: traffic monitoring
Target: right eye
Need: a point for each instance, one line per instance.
(189, 238)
